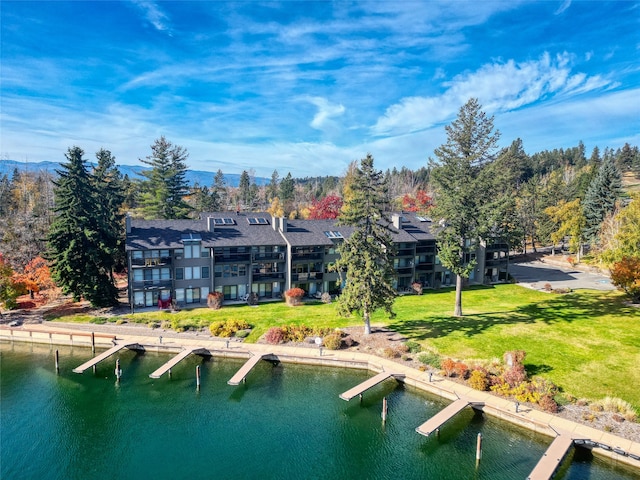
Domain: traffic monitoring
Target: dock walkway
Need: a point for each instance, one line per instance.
(367, 384)
(104, 355)
(435, 422)
(552, 458)
(246, 368)
(174, 361)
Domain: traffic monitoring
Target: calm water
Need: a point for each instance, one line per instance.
(287, 422)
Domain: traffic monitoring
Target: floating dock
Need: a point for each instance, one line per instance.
(246, 368)
(435, 422)
(367, 384)
(106, 354)
(178, 358)
(552, 458)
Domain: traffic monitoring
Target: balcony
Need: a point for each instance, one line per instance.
(152, 285)
(262, 277)
(493, 247)
(257, 257)
(305, 257)
(151, 262)
(404, 270)
(305, 277)
(405, 252)
(236, 258)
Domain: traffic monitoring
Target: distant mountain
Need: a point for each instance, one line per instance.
(132, 171)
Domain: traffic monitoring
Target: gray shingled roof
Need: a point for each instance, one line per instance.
(161, 234)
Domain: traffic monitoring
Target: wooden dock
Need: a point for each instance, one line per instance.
(552, 458)
(175, 360)
(435, 422)
(367, 384)
(104, 355)
(246, 368)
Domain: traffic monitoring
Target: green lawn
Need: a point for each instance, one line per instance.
(587, 342)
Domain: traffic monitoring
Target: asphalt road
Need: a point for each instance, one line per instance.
(536, 274)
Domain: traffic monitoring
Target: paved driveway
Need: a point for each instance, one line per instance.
(536, 274)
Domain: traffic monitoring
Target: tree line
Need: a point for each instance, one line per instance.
(476, 190)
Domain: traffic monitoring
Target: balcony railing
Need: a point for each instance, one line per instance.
(497, 246)
(239, 257)
(405, 252)
(303, 277)
(404, 270)
(152, 284)
(257, 277)
(150, 262)
(267, 256)
(296, 257)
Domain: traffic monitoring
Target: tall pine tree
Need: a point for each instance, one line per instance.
(76, 238)
(600, 199)
(463, 189)
(366, 257)
(166, 184)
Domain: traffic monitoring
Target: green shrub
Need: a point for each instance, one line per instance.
(430, 358)
(98, 320)
(228, 329)
(242, 333)
(413, 346)
(332, 341)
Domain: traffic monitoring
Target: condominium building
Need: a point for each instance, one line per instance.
(182, 261)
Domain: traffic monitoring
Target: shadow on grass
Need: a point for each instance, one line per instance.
(578, 306)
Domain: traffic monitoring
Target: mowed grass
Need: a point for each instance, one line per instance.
(587, 342)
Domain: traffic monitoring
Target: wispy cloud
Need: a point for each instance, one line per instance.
(501, 87)
(563, 7)
(153, 14)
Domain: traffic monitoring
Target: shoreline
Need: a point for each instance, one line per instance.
(607, 445)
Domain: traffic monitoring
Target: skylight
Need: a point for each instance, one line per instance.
(332, 234)
(224, 221)
(257, 221)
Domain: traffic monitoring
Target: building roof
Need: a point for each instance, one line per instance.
(230, 229)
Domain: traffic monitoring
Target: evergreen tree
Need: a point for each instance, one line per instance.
(600, 199)
(75, 238)
(166, 185)
(219, 189)
(287, 189)
(107, 182)
(366, 257)
(244, 189)
(463, 190)
(273, 187)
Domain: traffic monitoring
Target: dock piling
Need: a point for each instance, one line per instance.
(384, 409)
(57, 362)
(479, 449)
(118, 370)
(198, 377)
(93, 343)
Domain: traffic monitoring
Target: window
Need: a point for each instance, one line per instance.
(180, 294)
(136, 254)
(242, 270)
(204, 252)
(205, 272)
(218, 271)
(138, 275)
(179, 253)
(138, 299)
(179, 273)
(165, 274)
(257, 221)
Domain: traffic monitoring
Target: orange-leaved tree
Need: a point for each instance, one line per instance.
(36, 276)
(625, 275)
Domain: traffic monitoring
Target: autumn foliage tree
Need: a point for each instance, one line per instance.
(420, 203)
(10, 288)
(625, 275)
(36, 276)
(327, 208)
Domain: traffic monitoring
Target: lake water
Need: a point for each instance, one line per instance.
(286, 422)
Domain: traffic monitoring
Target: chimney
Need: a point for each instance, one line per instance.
(127, 223)
(210, 224)
(275, 222)
(397, 221)
(283, 224)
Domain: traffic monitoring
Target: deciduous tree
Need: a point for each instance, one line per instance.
(326, 208)
(366, 257)
(625, 275)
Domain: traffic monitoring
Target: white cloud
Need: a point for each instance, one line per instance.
(325, 112)
(563, 7)
(500, 87)
(153, 14)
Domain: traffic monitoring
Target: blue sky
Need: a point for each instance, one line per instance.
(307, 87)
